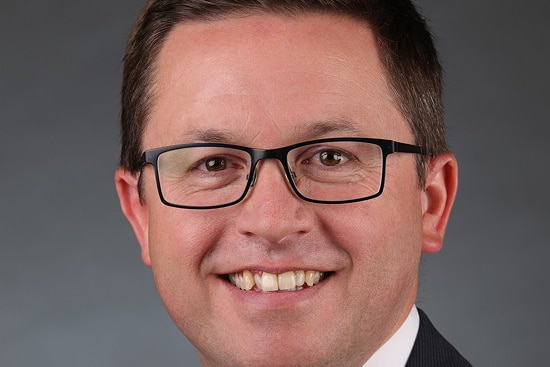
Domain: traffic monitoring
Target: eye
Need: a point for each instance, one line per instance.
(221, 163)
(213, 164)
(326, 157)
(331, 158)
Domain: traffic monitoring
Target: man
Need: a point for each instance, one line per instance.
(283, 167)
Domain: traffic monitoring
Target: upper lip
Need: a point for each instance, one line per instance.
(275, 269)
(251, 261)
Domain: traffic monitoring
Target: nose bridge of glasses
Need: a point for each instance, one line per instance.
(263, 154)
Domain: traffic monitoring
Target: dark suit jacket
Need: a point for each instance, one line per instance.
(432, 350)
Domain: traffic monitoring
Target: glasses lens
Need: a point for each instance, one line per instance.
(203, 176)
(337, 171)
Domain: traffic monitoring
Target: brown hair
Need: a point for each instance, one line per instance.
(404, 40)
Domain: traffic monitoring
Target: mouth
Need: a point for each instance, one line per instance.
(260, 281)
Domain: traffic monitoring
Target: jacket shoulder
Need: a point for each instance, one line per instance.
(432, 349)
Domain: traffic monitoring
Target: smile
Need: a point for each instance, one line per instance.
(267, 282)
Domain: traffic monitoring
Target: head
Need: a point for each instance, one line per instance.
(268, 74)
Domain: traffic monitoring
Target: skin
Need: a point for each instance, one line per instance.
(267, 81)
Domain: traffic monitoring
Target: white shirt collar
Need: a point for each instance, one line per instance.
(396, 351)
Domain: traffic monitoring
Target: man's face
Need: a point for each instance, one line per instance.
(268, 81)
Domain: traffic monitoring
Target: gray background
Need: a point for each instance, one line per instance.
(73, 291)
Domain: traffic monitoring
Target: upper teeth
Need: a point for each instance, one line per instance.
(267, 282)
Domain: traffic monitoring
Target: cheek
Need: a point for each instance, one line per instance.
(179, 241)
(181, 237)
(381, 236)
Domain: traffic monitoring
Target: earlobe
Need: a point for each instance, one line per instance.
(133, 208)
(438, 197)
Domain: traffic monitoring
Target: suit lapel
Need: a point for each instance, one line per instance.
(432, 350)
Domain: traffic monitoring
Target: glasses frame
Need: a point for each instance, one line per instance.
(387, 146)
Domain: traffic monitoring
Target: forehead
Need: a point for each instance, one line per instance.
(270, 77)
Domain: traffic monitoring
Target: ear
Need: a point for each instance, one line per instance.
(134, 209)
(438, 197)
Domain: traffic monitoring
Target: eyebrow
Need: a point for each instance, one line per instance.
(305, 131)
(211, 135)
(320, 128)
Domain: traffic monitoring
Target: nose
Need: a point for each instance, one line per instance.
(272, 211)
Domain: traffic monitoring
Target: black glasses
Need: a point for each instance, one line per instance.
(327, 171)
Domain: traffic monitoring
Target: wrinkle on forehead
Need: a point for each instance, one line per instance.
(302, 132)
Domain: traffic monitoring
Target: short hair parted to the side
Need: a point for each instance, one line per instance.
(405, 44)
